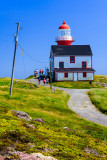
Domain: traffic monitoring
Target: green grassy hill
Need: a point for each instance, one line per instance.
(99, 98)
(48, 138)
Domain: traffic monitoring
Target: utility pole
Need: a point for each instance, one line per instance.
(16, 40)
(50, 76)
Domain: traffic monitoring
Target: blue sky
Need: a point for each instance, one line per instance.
(40, 20)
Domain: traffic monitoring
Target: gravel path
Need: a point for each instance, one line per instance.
(80, 103)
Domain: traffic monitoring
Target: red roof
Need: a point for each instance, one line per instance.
(64, 26)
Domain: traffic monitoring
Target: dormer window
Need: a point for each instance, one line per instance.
(72, 59)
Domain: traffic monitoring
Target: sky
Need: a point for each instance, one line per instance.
(39, 22)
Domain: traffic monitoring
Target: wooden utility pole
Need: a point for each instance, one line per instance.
(50, 76)
(16, 40)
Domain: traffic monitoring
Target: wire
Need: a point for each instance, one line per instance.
(30, 56)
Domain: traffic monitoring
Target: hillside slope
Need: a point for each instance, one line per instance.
(64, 135)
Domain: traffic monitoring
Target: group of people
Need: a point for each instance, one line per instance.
(45, 81)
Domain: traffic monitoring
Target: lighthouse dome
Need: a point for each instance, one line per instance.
(64, 26)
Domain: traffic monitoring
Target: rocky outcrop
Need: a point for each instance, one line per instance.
(39, 120)
(22, 115)
(25, 156)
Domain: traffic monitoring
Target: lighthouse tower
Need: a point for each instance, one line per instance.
(64, 35)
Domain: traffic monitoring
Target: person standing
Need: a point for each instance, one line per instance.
(42, 71)
(44, 81)
(47, 80)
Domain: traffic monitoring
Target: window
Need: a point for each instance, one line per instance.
(84, 65)
(65, 75)
(84, 74)
(72, 59)
(61, 65)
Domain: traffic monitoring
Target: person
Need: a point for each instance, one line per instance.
(42, 71)
(47, 80)
(39, 80)
(44, 81)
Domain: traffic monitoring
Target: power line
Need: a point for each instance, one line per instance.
(31, 56)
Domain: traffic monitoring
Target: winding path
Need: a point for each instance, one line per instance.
(80, 103)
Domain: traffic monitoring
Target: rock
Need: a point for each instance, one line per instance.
(22, 115)
(91, 150)
(36, 86)
(39, 120)
(66, 128)
(39, 155)
(26, 156)
(104, 84)
(30, 125)
(31, 145)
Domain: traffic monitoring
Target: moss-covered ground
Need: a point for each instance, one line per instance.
(99, 99)
(48, 138)
(82, 84)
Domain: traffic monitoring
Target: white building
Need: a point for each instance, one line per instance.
(71, 62)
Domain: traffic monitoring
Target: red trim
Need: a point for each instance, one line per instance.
(64, 80)
(59, 65)
(74, 68)
(84, 74)
(75, 71)
(64, 42)
(72, 55)
(86, 64)
(66, 75)
(70, 59)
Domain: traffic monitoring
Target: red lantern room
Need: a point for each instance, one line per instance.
(64, 35)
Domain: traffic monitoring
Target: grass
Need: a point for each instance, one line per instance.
(30, 77)
(101, 78)
(99, 99)
(82, 84)
(49, 138)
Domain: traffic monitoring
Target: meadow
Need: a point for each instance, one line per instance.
(99, 99)
(49, 138)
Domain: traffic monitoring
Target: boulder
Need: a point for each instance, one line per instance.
(22, 115)
(91, 150)
(30, 125)
(39, 120)
(42, 157)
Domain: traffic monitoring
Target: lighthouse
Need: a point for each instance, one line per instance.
(70, 62)
(64, 35)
